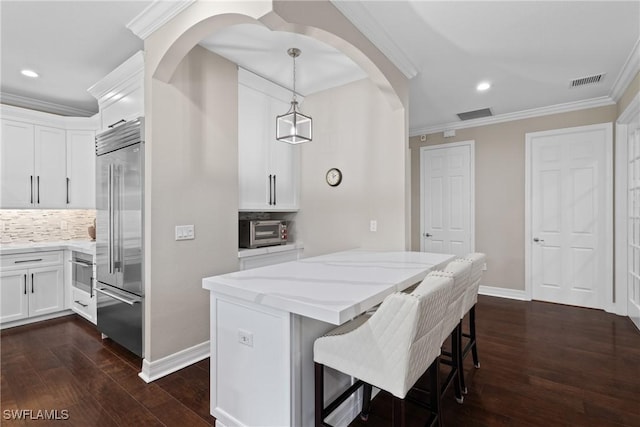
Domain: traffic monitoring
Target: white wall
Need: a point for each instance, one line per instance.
(356, 131)
(192, 178)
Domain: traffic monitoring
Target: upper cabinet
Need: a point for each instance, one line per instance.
(33, 166)
(47, 167)
(81, 169)
(120, 93)
(268, 169)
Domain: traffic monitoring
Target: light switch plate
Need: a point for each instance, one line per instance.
(185, 232)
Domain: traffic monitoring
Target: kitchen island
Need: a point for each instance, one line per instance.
(264, 321)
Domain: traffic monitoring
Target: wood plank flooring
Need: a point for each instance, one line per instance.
(541, 364)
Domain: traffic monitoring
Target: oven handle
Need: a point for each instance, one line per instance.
(81, 263)
(118, 297)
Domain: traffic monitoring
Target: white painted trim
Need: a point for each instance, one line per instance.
(495, 291)
(518, 115)
(607, 297)
(621, 220)
(153, 370)
(360, 17)
(40, 118)
(30, 320)
(472, 187)
(41, 106)
(155, 16)
(628, 72)
(120, 78)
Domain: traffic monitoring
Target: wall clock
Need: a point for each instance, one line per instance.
(334, 177)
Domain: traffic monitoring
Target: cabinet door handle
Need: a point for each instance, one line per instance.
(274, 189)
(31, 282)
(38, 181)
(25, 284)
(68, 190)
(31, 188)
(20, 261)
(79, 303)
(270, 190)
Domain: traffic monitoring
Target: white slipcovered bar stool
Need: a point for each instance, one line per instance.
(477, 261)
(459, 271)
(391, 349)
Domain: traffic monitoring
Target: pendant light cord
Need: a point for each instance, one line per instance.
(294, 81)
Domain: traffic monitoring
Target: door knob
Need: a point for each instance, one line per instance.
(535, 239)
(428, 235)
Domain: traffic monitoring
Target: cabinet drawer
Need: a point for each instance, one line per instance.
(83, 304)
(31, 260)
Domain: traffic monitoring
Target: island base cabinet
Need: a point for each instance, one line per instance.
(262, 367)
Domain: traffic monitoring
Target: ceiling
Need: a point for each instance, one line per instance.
(528, 51)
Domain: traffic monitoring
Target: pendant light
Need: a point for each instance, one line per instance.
(293, 127)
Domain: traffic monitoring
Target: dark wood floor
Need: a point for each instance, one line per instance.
(542, 364)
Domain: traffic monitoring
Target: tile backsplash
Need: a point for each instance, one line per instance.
(44, 225)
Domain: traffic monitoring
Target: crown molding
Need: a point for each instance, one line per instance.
(156, 15)
(112, 83)
(20, 114)
(360, 17)
(43, 106)
(627, 74)
(518, 115)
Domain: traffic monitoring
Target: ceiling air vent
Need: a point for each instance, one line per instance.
(476, 114)
(589, 80)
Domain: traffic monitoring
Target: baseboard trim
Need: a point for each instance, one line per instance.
(151, 371)
(36, 319)
(493, 291)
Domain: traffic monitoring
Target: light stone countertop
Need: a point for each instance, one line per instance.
(245, 252)
(332, 288)
(84, 246)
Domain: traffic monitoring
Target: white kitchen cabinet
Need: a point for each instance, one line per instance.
(16, 176)
(32, 285)
(14, 299)
(81, 166)
(267, 168)
(120, 93)
(33, 166)
(50, 168)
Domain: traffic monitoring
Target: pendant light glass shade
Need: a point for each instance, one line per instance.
(294, 127)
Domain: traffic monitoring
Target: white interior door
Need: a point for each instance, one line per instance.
(570, 214)
(633, 223)
(447, 214)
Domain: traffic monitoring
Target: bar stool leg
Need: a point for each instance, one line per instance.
(463, 387)
(366, 402)
(319, 394)
(455, 362)
(398, 412)
(434, 392)
(472, 332)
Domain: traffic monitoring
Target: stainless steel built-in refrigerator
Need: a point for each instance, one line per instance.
(119, 202)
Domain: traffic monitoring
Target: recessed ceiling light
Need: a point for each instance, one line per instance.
(483, 86)
(29, 73)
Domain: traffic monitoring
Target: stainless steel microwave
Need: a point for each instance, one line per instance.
(258, 233)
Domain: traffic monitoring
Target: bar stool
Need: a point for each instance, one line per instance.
(391, 350)
(477, 261)
(459, 272)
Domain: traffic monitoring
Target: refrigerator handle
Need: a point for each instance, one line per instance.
(110, 215)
